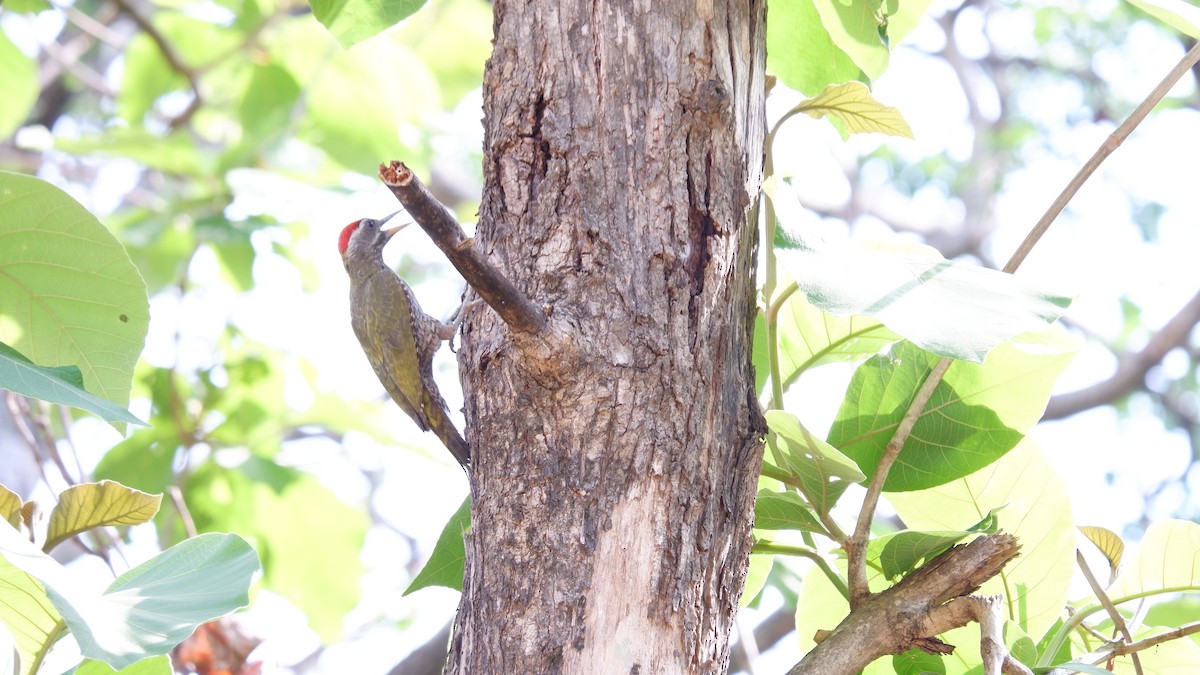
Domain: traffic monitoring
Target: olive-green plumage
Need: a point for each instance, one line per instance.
(398, 338)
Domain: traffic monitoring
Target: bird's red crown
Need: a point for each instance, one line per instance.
(344, 237)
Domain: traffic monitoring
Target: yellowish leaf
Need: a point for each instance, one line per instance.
(851, 104)
(10, 506)
(89, 505)
(1108, 542)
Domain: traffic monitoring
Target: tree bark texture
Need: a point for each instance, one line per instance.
(616, 454)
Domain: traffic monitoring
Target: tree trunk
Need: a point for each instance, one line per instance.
(616, 456)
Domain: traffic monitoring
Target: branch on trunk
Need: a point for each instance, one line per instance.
(1131, 368)
(911, 614)
(521, 315)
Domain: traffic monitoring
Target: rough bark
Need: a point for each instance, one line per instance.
(616, 453)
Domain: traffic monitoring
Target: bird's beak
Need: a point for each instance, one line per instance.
(391, 232)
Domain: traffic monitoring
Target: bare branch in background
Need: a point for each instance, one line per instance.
(1131, 368)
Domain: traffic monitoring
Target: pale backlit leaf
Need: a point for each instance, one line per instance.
(851, 103)
(88, 505)
(1108, 542)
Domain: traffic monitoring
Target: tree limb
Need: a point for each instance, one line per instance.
(494, 288)
(911, 613)
(1131, 368)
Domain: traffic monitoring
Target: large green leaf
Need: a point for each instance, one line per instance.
(68, 293)
(823, 472)
(950, 439)
(19, 82)
(976, 414)
(176, 154)
(85, 506)
(156, 665)
(1167, 561)
(1178, 14)
(447, 562)
(301, 529)
(27, 612)
(357, 100)
(784, 511)
(152, 607)
(946, 307)
(352, 21)
(899, 553)
(1032, 504)
(62, 385)
(801, 53)
(855, 28)
(809, 337)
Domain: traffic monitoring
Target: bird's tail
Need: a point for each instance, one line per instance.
(448, 433)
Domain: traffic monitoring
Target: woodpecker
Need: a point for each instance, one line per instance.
(398, 338)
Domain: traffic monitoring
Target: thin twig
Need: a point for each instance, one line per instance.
(1117, 619)
(185, 515)
(521, 315)
(1173, 634)
(804, 552)
(171, 57)
(1110, 144)
(856, 547)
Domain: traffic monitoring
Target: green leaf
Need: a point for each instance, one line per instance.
(1037, 511)
(351, 21)
(1167, 561)
(144, 460)
(917, 662)
(301, 529)
(855, 28)
(905, 18)
(62, 385)
(155, 665)
(26, 5)
(176, 154)
(951, 437)
(27, 612)
(809, 337)
(1175, 612)
(86, 506)
(823, 472)
(1019, 644)
(756, 578)
(1182, 16)
(801, 53)
(949, 308)
(10, 506)
(448, 559)
(70, 295)
(852, 104)
(268, 103)
(363, 96)
(152, 607)
(1006, 395)
(902, 552)
(18, 81)
(784, 511)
